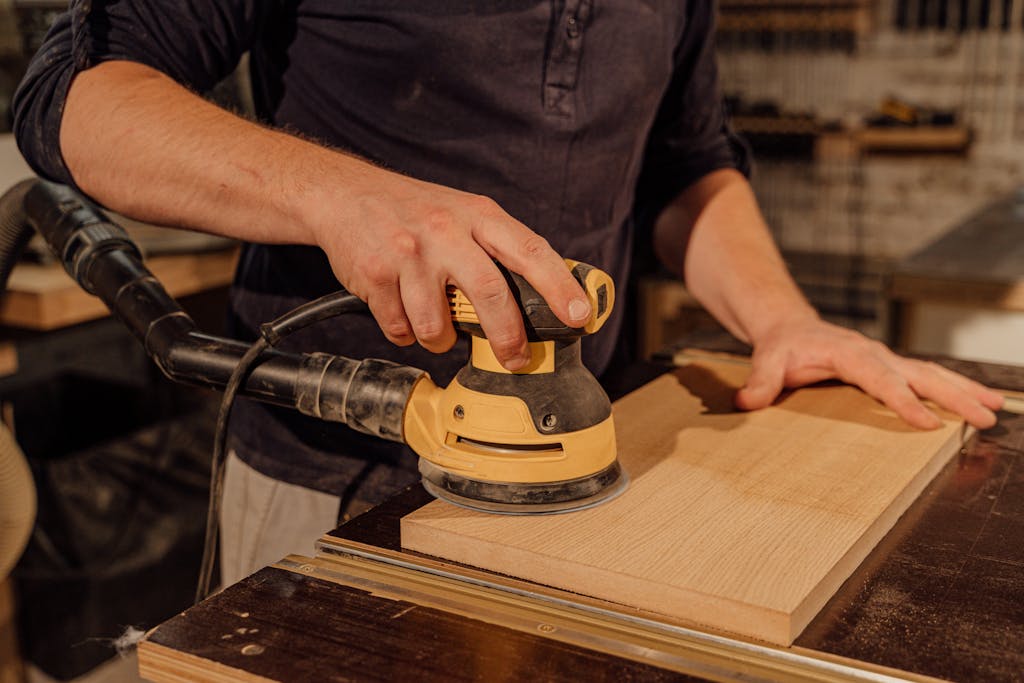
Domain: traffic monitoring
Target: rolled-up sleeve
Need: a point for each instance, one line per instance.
(195, 42)
(691, 136)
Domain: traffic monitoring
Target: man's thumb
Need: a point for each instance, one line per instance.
(763, 386)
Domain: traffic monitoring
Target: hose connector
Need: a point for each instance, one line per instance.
(76, 231)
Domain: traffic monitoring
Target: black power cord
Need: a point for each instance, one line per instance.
(328, 306)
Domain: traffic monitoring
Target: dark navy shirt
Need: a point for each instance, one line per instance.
(574, 115)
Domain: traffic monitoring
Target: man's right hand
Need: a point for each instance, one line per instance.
(145, 146)
(400, 241)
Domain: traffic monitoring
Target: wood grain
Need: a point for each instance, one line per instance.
(741, 522)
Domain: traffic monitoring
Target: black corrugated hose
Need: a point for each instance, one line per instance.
(369, 395)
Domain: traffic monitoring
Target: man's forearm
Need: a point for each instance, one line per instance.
(715, 227)
(147, 147)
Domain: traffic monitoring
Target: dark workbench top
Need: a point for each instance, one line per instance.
(283, 626)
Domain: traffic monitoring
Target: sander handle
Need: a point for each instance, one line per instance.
(540, 321)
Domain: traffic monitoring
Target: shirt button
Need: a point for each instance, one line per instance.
(572, 27)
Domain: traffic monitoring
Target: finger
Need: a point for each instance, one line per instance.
(426, 308)
(765, 382)
(882, 382)
(799, 377)
(992, 400)
(527, 253)
(385, 304)
(485, 286)
(928, 383)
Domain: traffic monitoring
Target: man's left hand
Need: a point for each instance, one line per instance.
(811, 350)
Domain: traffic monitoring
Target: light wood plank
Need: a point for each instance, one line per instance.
(741, 522)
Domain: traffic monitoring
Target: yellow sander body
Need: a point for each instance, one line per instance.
(538, 440)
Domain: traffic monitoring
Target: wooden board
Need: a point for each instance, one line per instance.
(741, 522)
(45, 298)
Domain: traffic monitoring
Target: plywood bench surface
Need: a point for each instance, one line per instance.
(741, 522)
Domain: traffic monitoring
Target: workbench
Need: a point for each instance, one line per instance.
(963, 294)
(942, 595)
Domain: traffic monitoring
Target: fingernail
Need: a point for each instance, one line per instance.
(517, 363)
(579, 310)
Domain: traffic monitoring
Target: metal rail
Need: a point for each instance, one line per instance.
(574, 620)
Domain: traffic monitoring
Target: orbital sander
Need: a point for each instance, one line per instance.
(538, 440)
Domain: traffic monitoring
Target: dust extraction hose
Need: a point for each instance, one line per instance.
(368, 395)
(17, 490)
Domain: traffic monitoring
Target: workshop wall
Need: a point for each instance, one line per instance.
(813, 84)
(886, 206)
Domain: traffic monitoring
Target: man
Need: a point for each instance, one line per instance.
(410, 145)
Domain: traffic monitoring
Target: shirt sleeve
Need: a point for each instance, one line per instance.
(195, 42)
(690, 136)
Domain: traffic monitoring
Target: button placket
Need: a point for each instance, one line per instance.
(562, 70)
